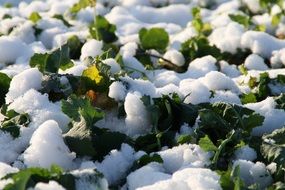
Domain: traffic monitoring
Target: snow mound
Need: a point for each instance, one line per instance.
(47, 148)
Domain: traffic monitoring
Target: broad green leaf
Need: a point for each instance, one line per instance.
(28, 178)
(281, 79)
(182, 139)
(276, 19)
(206, 144)
(35, 17)
(51, 62)
(248, 98)
(13, 121)
(154, 38)
(101, 29)
(78, 107)
(84, 138)
(241, 19)
(75, 46)
(4, 87)
(199, 47)
(273, 147)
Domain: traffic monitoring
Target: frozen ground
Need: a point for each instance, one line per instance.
(229, 51)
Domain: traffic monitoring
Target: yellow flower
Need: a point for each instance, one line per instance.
(93, 74)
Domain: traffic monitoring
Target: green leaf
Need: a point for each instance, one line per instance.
(230, 116)
(248, 98)
(51, 62)
(277, 186)
(154, 38)
(241, 19)
(84, 138)
(13, 121)
(273, 147)
(196, 12)
(206, 144)
(35, 17)
(243, 69)
(146, 159)
(280, 100)
(4, 87)
(75, 46)
(281, 79)
(276, 19)
(53, 86)
(80, 5)
(76, 108)
(28, 178)
(103, 30)
(60, 17)
(225, 179)
(182, 139)
(199, 47)
(238, 182)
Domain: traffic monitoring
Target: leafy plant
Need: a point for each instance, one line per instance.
(81, 5)
(13, 121)
(273, 150)
(4, 87)
(154, 38)
(53, 61)
(101, 29)
(84, 138)
(28, 178)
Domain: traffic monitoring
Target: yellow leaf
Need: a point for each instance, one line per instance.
(93, 74)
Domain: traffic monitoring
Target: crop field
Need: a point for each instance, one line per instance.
(142, 95)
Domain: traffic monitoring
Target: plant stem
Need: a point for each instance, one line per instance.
(166, 63)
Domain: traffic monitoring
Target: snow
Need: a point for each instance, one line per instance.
(278, 58)
(174, 57)
(40, 109)
(215, 80)
(245, 153)
(274, 118)
(147, 175)
(115, 67)
(201, 66)
(12, 48)
(137, 120)
(252, 173)
(116, 165)
(227, 38)
(261, 43)
(89, 179)
(255, 62)
(117, 91)
(184, 156)
(194, 91)
(207, 79)
(47, 148)
(51, 185)
(29, 79)
(190, 178)
(91, 48)
(6, 169)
